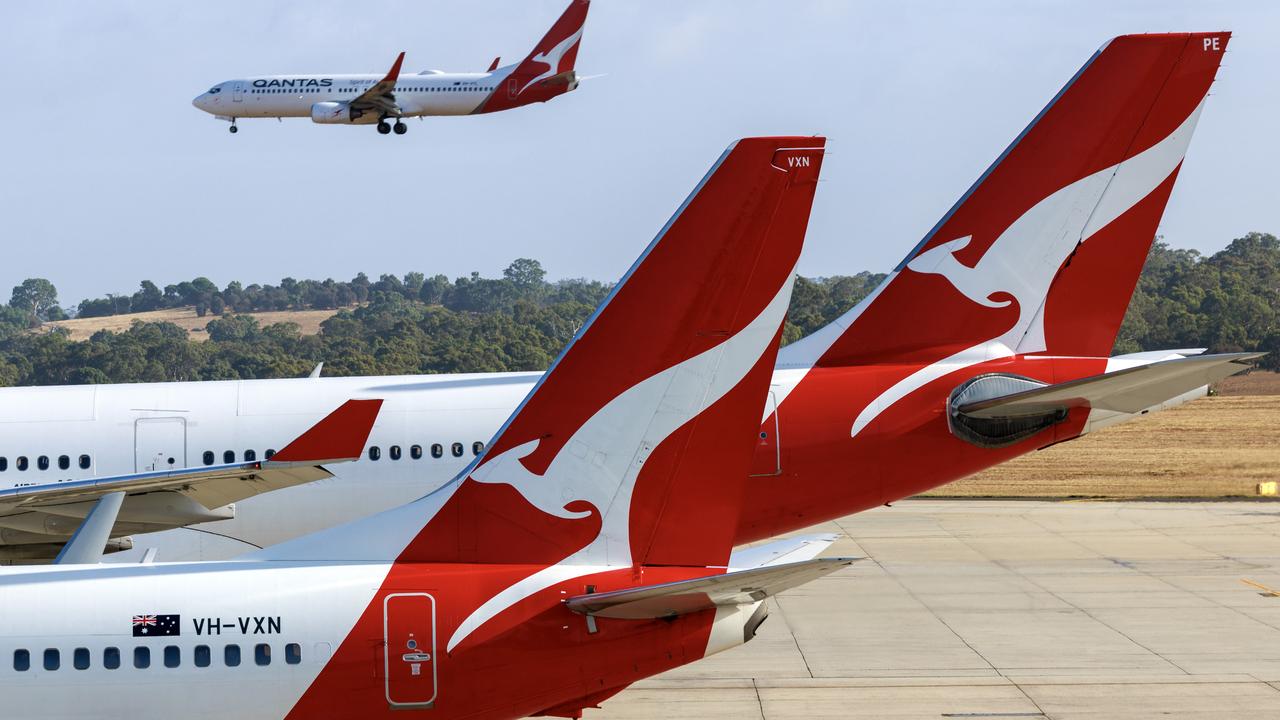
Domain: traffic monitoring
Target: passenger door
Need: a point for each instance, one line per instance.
(159, 444)
(409, 650)
(237, 92)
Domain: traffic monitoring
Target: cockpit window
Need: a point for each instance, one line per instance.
(215, 90)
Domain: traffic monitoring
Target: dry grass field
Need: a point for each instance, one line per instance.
(308, 320)
(1219, 446)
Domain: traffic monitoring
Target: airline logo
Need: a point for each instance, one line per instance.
(294, 82)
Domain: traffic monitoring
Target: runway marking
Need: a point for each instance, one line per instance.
(1268, 592)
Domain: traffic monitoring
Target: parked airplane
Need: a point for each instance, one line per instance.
(587, 548)
(368, 99)
(989, 341)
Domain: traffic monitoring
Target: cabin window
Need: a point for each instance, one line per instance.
(4, 464)
(172, 656)
(142, 657)
(229, 456)
(80, 659)
(437, 450)
(375, 452)
(42, 462)
(21, 463)
(52, 659)
(250, 455)
(231, 655)
(21, 660)
(415, 452)
(202, 656)
(293, 653)
(456, 449)
(477, 447)
(111, 658)
(270, 453)
(208, 457)
(64, 462)
(394, 452)
(262, 654)
(85, 461)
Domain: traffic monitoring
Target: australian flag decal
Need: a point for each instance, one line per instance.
(157, 625)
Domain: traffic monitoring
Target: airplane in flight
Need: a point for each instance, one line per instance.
(588, 547)
(548, 71)
(990, 340)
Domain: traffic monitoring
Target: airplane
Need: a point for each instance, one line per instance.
(588, 547)
(989, 341)
(545, 73)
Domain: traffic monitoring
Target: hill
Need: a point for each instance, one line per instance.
(308, 321)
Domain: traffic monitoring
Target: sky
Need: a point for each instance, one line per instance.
(110, 176)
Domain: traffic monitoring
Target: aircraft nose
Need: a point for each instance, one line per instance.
(198, 101)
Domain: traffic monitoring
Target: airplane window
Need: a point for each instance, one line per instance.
(208, 457)
(85, 461)
(437, 450)
(394, 451)
(375, 452)
(111, 658)
(142, 657)
(21, 463)
(229, 456)
(262, 654)
(270, 453)
(172, 656)
(42, 462)
(52, 659)
(231, 655)
(293, 653)
(21, 660)
(80, 659)
(64, 462)
(250, 455)
(201, 657)
(415, 452)
(456, 449)
(4, 464)
(477, 447)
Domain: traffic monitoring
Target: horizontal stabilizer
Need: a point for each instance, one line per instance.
(739, 587)
(780, 552)
(1129, 390)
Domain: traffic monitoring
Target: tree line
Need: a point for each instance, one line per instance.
(1228, 302)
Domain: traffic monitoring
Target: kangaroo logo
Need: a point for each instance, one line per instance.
(600, 463)
(1025, 258)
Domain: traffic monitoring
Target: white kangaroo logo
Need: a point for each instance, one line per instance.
(1023, 261)
(552, 57)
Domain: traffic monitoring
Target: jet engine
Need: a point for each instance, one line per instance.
(338, 113)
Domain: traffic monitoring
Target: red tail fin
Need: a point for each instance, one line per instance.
(548, 69)
(1043, 252)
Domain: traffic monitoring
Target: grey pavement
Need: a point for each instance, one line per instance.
(1011, 609)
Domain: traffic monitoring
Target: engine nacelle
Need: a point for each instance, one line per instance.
(336, 113)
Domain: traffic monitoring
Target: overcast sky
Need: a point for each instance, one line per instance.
(111, 176)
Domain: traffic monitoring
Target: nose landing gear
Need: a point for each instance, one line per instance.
(233, 129)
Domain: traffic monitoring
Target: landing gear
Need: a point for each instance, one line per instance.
(400, 128)
(233, 127)
(383, 127)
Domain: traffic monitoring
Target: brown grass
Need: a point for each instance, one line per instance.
(1213, 447)
(81, 329)
(1258, 382)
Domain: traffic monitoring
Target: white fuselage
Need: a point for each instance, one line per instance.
(428, 93)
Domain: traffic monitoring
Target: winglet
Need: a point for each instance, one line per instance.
(394, 73)
(494, 65)
(340, 436)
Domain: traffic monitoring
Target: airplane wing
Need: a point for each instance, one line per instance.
(738, 587)
(173, 498)
(380, 97)
(1129, 390)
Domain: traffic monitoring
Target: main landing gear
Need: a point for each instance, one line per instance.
(399, 127)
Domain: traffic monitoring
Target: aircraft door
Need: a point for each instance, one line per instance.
(409, 650)
(237, 92)
(513, 88)
(768, 456)
(159, 444)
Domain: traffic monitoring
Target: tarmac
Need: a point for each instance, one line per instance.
(1011, 609)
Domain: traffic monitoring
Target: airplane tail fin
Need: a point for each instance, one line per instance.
(548, 70)
(1042, 254)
